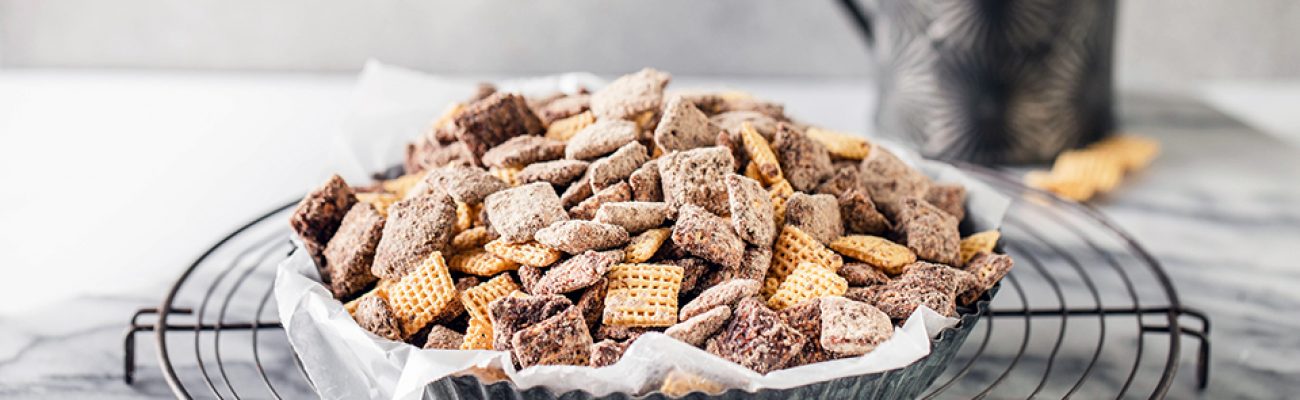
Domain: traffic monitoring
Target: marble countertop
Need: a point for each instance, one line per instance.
(1220, 209)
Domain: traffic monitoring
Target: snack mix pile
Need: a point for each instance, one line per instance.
(562, 228)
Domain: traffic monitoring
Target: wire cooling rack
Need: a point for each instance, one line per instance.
(1087, 312)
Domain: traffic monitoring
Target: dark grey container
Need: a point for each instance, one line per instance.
(905, 383)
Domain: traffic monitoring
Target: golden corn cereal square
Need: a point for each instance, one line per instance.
(480, 262)
(879, 252)
(476, 299)
(530, 253)
(469, 239)
(840, 144)
(564, 129)
(780, 192)
(751, 172)
(679, 383)
(808, 281)
(645, 245)
(400, 186)
(642, 295)
(509, 175)
(793, 247)
(380, 201)
(760, 154)
(464, 217)
(423, 294)
(1088, 167)
(1077, 191)
(478, 335)
(975, 243)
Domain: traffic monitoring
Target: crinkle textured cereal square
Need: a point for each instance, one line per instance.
(562, 108)
(889, 180)
(607, 352)
(793, 247)
(643, 246)
(443, 338)
(862, 274)
(558, 172)
(577, 236)
(530, 253)
(780, 192)
(930, 233)
(528, 277)
(693, 271)
(511, 314)
(616, 167)
(471, 238)
(489, 122)
(478, 335)
(517, 213)
(804, 162)
(428, 153)
(422, 295)
(578, 272)
(727, 293)
(753, 266)
(592, 303)
(806, 317)
(576, 192)
(559, 340)
(480, 262)
(988, 269)
(975, 243)
(852, 328)
(707, 236)
(352, 249)
(818, 215)
(634, 216)
(645, 183)
(696, 177)
(380, 201)
(841, 145)
(520, 151)
(319, 214)
(751, 210)
(630, 95)
(933, 285)
(642, 295)
(564, 129)
(949, 197)
(757, 338)
(881, 253)
(509, 175)
(683, 127)
(697, 329)
(415, 228)
(477, 298)
(860, 214)
(600, 138)
(807, 281)
(846, 178)
(373, 314)
(761, 155)
(733, 143)
(586, 209)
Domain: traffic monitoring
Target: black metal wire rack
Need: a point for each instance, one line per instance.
(1087, 313)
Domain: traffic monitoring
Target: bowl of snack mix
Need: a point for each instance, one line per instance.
(657, 245)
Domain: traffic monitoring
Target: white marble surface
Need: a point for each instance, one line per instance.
(114, 181)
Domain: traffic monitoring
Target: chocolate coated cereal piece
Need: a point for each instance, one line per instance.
(558, 172)
(818, 215)
(523, 150)
(988, 269)
(806, 317)
(845, 179)
(645, 183)
(592, 303)
(517, 213)
(700, 327)
(724, 294)
(374, 315)
(852, 328)
(607, 352)
(735, 143)
(707, 236)
(930, 233)
(751, 210)
(415, 228)
(949, 197)
(616, 332)
(683, 127)
(319, 214)
(773, 110)
(576, 193)
(889, 180)
(489, 122)
(469, 185)
(630, 95)
(697, 177)
(757, 338)
(510, 314)
(618, 166)
(528, 277)
(428, 153)
(860, 214)
(804, 162)
(862, 274)
(559, 340)
(562, 108)
(600, 138)
(443, 338)
(731, 121)
(586, 209)
(635, 217)
(693, 270)
(352, 249)
(578, 272)
(577, 236)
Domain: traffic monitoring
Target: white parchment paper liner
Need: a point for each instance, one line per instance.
(391, 105)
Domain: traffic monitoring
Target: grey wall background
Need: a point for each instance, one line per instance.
(1160, 42)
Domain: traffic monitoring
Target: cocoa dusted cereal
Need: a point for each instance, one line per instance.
(851, 328)
(804, 161)
(634, 217)
(951, 198)
(352, 249)
(586, 209)
(443, 338)
(577, 236)
(731, 121)
(607, 352)
(683, 127)
(751, 210)
(373, 314)
(930, 233)
(576, 273)
(630, 95)
(613, 169)
(493, 120)
(757, 338)
(724, 294)
(645, 183)
(319, 214)
(520, 151)
(889, 180)
(415, 228)
(467, 185)
(558, 172)
(517, 213)
(576, 192)
(818, 215)
(860, 214)
(707, 236)
(806, 317)
(562, 108)
(511, 314)
(562, 339)
(600, 139)
(697, 177)
(860, 274)
(700, 327)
